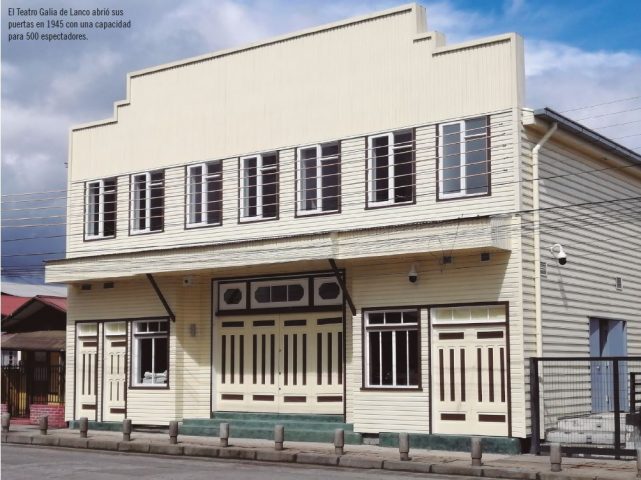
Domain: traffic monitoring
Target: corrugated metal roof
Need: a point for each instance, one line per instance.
(587, 134)
(11, 303)
(31, 290)
(50, 341)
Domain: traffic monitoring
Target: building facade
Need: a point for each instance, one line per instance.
(339, 221)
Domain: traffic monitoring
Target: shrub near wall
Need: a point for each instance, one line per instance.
(55, 411)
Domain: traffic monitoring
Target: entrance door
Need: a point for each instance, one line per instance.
(86, 370)
(280, 363)
(607, 339)
(114, 367)
(469, 372)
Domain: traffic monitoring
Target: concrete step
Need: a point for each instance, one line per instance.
(267, 433)
(595, 437)
(591, 423)
(268, 423)
(278, 416)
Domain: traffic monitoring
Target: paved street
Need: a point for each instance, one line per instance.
(24, 462)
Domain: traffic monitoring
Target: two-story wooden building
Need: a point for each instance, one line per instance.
(350, 220)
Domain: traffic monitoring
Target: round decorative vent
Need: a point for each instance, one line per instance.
(233, 296)
(329, 290)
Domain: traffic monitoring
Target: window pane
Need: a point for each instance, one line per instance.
(233, 296)
(308, 178)
(249, 174)
(476, 165)
(214, 212)
(393, 317)
(414, 356)
(140, 202)
(329, 290)
(380, 172)
(386, 358)
(451, 161)
(403, 168)
(374, 359)
(110, 208)
(295, 293)
(195, 197)
(161, 360)
(279, 293)
(410, 317)
(330, 177)
(93, 209)
(476, 126)
(262, 294)
(401, 358)
(156, 222)
(145, 360)
(376, 318)
(270, 186)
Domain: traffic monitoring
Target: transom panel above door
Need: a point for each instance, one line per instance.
(470, 374)
(283, 363)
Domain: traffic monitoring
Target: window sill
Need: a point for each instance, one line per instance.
(193, 226)
(442, 197)
(391, 389)
(374, 205)
(134, 233)
(97, 238)
(149, 387)
(312, 213)
(255, 219)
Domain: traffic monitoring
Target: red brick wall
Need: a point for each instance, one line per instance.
(55, 411)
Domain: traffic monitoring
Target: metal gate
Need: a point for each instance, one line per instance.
(23, 386)
(564, 410)
(280, 363)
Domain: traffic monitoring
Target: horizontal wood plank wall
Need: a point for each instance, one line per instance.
(352, 215)
(467, 280)
(189, 369)
(599, 249)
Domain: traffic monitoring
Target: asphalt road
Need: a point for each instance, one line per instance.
(28, 463)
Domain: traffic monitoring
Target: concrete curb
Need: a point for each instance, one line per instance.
(306, 458)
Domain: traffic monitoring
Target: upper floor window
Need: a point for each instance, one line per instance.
(318, 185)
(390, 168)
(204, 194)
(100, 209)
(464, 158)
(147, 202)
(259, 187)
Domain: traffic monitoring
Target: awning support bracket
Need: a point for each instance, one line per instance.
(341, 282)
(161, 297)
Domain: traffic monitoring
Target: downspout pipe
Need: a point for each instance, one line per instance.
(537, 237)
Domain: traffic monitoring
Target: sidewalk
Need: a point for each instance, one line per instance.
(517, 467)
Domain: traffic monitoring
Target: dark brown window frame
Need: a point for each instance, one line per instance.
(390, 327)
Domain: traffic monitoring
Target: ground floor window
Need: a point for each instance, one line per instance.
(151, 353)
(391, 348)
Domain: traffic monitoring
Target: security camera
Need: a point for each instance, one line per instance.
(557, 252)
(412, 275)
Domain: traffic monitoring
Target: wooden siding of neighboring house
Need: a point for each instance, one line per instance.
(602, 242)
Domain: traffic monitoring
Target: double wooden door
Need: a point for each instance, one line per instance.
(282, 363)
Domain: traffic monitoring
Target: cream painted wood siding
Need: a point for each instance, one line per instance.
(189, 356)
(467, 280)
(291, 92)
(353, 214)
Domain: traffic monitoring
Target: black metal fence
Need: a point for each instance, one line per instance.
(590, 405)
(22, 386)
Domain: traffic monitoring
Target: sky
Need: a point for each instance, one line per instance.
(578, 54)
